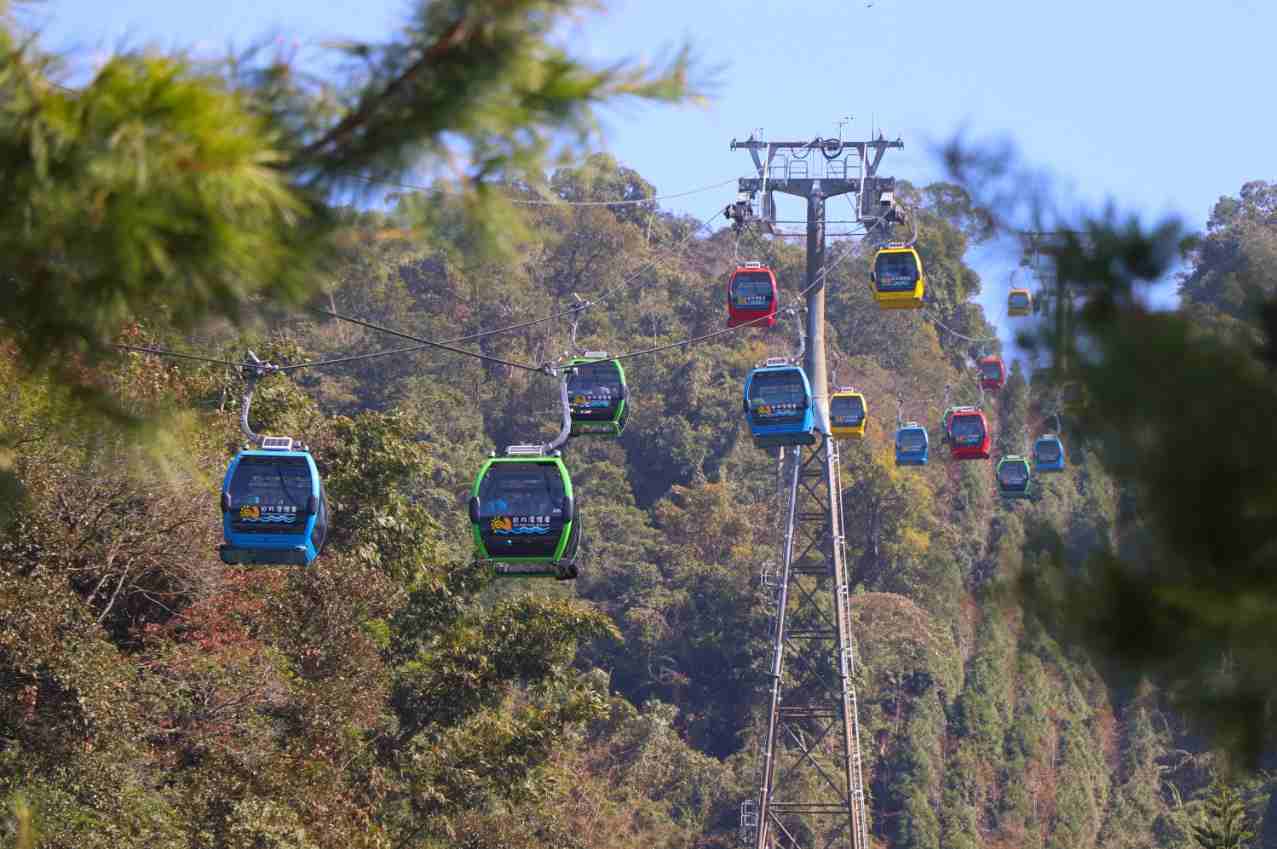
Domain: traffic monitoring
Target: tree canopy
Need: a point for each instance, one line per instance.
(394, 695)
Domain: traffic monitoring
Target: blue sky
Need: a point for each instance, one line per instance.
(1159, 106)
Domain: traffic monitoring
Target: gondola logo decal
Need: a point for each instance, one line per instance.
(276, 514)
(520, 525)
(600, 400)
(763, 409)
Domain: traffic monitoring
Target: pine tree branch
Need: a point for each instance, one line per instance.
(449, 41)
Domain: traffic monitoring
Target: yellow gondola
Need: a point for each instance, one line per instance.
(848, 414)
(1019, 302)
(897, 279)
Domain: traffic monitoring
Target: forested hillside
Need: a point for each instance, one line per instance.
(393, 695)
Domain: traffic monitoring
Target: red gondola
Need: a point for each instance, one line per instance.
(969, 434)
(993, 374)
(752, 296)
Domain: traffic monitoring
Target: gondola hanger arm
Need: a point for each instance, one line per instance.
(565, 430)
(253, 369)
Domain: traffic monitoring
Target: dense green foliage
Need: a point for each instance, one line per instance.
(165, 187)
(1181, 406)
(393, 695)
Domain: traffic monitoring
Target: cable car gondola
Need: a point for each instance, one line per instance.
(848, 414)
(897, 278)
(993, 374)
(913, 446)
(948, 420)
(1014, 477)
(752, 296)
(1019, 302)
(969, 434)
(274, 511)
(1048, 453)
(778, 405)
(597, 395)
(523, 515)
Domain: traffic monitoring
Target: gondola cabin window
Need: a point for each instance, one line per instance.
(777, 397)
(967, 430)
(270, 495)
(847, 410)
(521, 509)
(895, 272)
(593, 390)
(911, 440)
(1014, 474)
(752, 290)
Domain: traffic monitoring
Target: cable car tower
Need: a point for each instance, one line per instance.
(811, 791)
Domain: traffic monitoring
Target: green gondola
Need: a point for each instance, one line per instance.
(1015, 479)
(597, 395)
(524, 518)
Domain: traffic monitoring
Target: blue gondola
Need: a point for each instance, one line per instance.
(913, 446)
(1048, 453)
(778, 405)
(273, 507)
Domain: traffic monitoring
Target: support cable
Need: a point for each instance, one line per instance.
(652, 199)
(159, 352)
(820, 279)
(941, 324)
(162, 352)
(448, 345)
(558, 201)
(574, 311)
(578, 308)
(429, 344)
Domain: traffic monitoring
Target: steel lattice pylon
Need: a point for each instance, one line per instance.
(811, 786)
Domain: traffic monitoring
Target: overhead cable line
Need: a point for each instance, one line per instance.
(446, 344)
(695, 339)
(546, 369)
(574, 310)
(162, 352)
(820, 278)
(634, 276)
(558, 201)
(635, 202)
(577, 309)
(939, 323)
(159, 352)
(429, 344)
(449, 345)
(423, 344)
(352, 358)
